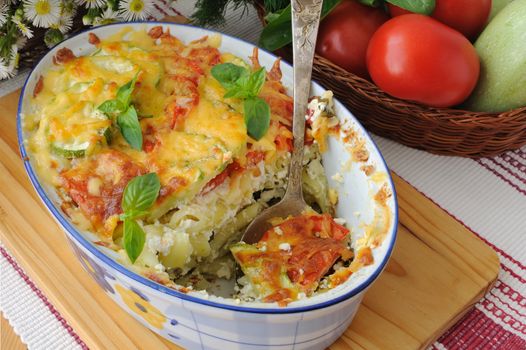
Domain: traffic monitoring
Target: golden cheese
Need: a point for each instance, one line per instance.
(190, 132)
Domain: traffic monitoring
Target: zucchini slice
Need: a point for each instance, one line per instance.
(76, 132)
(69, 150)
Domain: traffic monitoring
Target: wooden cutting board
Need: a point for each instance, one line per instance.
(438, 270)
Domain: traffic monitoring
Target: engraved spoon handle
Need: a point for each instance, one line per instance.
(305, 22)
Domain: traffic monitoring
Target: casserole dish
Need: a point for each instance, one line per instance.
(195, 319)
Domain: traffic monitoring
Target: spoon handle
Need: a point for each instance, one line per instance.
(305, 21)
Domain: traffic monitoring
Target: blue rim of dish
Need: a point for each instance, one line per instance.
(72, 231)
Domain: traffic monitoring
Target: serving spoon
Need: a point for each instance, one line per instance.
(305, 22)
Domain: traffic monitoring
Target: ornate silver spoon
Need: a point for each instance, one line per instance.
(305, 21)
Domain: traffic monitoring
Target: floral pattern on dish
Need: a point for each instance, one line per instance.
(95, 270)
(140, 305)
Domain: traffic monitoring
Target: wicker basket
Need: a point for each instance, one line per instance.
(438, 130)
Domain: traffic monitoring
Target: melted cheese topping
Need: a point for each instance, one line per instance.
(190, 132)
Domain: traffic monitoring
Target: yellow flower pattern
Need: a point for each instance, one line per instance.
(139, 304)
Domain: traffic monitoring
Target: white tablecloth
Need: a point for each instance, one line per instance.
(488, 196)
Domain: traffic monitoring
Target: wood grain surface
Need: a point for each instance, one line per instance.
(9, 340)
(438, 270)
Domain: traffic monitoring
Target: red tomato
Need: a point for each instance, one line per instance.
(345, 33)
(415, 57)
(467, 16)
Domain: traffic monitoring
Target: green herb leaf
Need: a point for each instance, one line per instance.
(130, 128)
(278, 32)
(140, 194)
(133, 214)
(244, 85)
(256, 81)
(238, 92)
(424, 7)
(124, 93)
(227, 74)
(257, 117)
(111, 107)
(134, 238)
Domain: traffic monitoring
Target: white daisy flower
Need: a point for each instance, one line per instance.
(4, 7)
(91, 3)
(8, 67)
(108, 16)
(64, 23)
(43, 13)
(22, 27)
(21, 41)
(132, 10)
(4, 72)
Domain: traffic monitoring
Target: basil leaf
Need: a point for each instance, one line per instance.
(134, 238)
(278, 33)
(140, 194)
(227, 74)
(130, 128)
(247, 85)
(256, 81)
(257, 117)
(424, 7)
(133, 214)
(111, 107)
(237, 92)
(124, 93)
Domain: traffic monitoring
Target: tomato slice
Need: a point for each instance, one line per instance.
(221, 177)
(96, 185)
(293, 256)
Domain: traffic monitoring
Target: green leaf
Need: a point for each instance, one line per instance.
(130, 128)
(272, 16)
(111, 107)
(247, 85)
(278, 33)
(424, 7)
(134, 238)
(124, 93)
(140, 194)
(237, 92)
(227, 74)
(274, 5)
(257, 117)
(133, 214)
(256, 81)
(240, 84)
